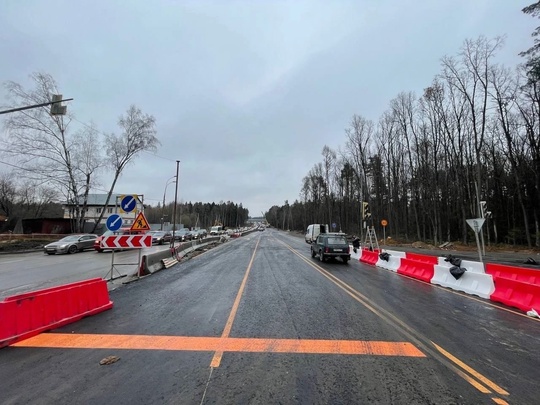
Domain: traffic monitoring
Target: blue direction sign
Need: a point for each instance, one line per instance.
(334, 225)
(114, 222)
(129, 202)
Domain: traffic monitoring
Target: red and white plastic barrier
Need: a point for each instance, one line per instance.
(394, 260)
(474, 281)
(25, 315)
(515, 286)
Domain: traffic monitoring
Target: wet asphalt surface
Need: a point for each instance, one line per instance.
(287, 295)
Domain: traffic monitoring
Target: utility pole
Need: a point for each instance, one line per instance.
(175, 202)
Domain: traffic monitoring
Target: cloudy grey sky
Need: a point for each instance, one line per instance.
(245, 93)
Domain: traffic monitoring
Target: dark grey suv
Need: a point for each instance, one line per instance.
(329, 245)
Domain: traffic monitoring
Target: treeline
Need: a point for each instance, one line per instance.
(201, 215)
(468, 147)
(18, 202)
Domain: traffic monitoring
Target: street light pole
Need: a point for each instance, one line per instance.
(175, 202)
(163, 206)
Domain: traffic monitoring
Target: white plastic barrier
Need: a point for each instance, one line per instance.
(474, 281)
(393, 262)
(475, 267)
(357, 255)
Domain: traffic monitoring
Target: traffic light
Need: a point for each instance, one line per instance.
(366, 213)
(57, 108)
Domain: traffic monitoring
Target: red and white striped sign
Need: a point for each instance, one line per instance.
(127, 241)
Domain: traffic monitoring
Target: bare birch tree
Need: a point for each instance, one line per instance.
(138, 135)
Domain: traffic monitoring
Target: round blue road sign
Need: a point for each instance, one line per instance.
(128, 203)
(334, 225)
(114, 222)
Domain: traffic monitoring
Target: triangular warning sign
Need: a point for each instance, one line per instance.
(140, 223)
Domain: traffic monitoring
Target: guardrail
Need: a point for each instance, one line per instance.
(153, 262)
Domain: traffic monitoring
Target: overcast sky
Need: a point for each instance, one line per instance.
(245, 93)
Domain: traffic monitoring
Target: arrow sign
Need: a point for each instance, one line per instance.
(114, 222)
(129, 202)
(476, 223)
(126, 241)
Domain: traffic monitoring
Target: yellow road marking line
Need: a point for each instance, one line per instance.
(471, 371)
(216, 360)
(218, 344)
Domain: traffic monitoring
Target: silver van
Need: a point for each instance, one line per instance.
(315, 230)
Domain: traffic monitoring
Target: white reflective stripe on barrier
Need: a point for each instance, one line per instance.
(470, 282)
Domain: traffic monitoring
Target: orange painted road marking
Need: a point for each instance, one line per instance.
(218, 344)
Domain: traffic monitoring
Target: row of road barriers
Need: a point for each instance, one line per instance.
(517, 287)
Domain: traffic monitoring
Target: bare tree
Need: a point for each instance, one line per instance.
(329, 160)
(138, 134)
(470, 76)
(88, 161)
(40, 141)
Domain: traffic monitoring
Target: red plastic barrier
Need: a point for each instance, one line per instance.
(26, 315)
(369, 257)
(415, 269)
(422, 258)
(524, 296)
(522, 274)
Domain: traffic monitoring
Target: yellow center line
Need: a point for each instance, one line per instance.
(216, 360)
(220, 344)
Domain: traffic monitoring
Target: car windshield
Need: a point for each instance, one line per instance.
(337, 241)
(70, 238)
(158, 233)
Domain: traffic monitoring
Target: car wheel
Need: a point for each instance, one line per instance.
(312, 253)
(72, 249)
(99, 250)
(321, 256)
(345, 260)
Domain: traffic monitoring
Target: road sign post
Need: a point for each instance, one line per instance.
(384, 222)
(476, 225)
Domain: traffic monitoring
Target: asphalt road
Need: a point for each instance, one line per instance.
(22, 272)
(258, 321)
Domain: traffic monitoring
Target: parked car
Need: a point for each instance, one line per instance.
(182, 235)
(71, 244)
(161, 237)
(202, 233)
(329, 245)
(121, 231)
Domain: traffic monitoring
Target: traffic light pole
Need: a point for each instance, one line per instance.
(34, 106)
